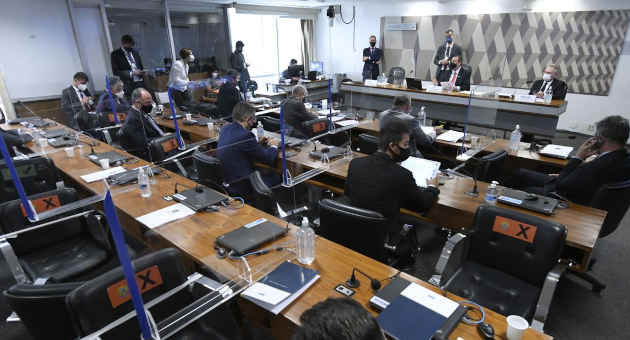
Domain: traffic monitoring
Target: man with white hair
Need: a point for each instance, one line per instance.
(549, 80)
(295, 113)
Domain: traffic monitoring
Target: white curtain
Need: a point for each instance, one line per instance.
(307, 43)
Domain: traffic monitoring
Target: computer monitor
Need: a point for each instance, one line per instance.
(316, 66)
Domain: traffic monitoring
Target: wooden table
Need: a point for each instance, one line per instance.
(317, 89)
(195, 235)
(502, 114)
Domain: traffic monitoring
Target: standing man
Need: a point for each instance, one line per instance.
(443, 56)
(371, 59)
(127, 64)
(76, 98)
(237, 61)
(558, 87)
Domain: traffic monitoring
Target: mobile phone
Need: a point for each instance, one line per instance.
(598, 143)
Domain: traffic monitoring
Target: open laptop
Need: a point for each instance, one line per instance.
(63, 141)
(113, 156)
(199, 198)
(251, 236)
(413, 83)
(529, 201)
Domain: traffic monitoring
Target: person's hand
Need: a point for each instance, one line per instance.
(539, 94)
(246, 65)
(587, 149)
(264, 141)
(85, 100)
(378, 62)
(433, 181)
(366, 58)
(435, 82)
(444, 61)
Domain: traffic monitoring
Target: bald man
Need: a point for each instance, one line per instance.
(139, 127)
(295, 113)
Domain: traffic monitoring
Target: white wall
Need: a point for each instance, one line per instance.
(335, 46)
(94, 44)
(39, 54)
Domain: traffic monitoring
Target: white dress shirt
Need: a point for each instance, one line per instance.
(178, 78)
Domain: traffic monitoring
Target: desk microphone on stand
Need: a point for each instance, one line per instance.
(353, 282)
(458, 170)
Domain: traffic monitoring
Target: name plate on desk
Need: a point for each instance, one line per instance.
(525, 98)
(371, 82)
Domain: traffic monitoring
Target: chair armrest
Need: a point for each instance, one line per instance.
(544, 300)
(453, 255)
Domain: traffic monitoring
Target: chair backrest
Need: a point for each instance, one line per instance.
(524, 246)
(359, 229)
(491, 166)
(209, 170)
(104, 299)
(13, 218)
(316, 126)
(260, 187)
(37, 174)
(270, 124)
(368, 144)
(163, 147)
(42, 309)
(615, 199)
(396, 75)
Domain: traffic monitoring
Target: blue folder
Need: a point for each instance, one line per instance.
(405, 319)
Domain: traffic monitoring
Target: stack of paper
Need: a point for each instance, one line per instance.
(434, 88)
(422, 170)
(557, 151)
(281, 287)
(100, 175)
(451, 136)
(429, 131)
(347, 122)
(165, 215)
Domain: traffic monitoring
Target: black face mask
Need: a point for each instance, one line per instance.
(372, 43)
(146, 108)
(453, 66)
(128, 49)
(402, 155)
(239, 49)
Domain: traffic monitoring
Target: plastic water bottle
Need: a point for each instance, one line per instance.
(515, 139)
(143, 183)
(260, 131)
(305, 243)
(492, 193)
(548, 95)
(423, 116)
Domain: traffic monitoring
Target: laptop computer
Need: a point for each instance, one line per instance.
(113, 156)
(63, 141)
(529, 201)
(54, 133)
(251, 236)
(413, 83)
(333, 152)
(199, 198)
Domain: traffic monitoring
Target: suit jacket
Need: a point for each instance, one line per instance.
(105, 105)
(121, 67)
(377, 183)
(238, 150)
(463, 78)
(137, 132)
(295, 114)
(579, 180)
(420, 143)
(237, 62)
(439, 55)
(71, 104)
(370, 67)
(13, 139)
(558, 87)
(226, 99)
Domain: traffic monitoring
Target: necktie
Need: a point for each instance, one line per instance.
(81, 96)
(447, 53)
(544, 86)
(454, 76)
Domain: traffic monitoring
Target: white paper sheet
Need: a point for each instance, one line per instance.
(327, 112)
(265, 293)
(554, 150)
(451, 136)
(429, 131)
(434, 301)
(162, 216)
(347, 122)
(100, 175)
(421, 169)
(338, 118)
(434, 88)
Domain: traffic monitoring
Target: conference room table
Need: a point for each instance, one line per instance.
(317, 89)
(480, 110)
(194, 236)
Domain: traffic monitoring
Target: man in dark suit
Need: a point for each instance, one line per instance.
(371, 59)
(238, 150)
(443, 56)
(76, 98)
(237, 61)
(459, 76)
(580, 179)
(294, 71)
(228, 95)
(295, 113)
(127, 64)
(378, 182)
(139, 128)
(558, 87)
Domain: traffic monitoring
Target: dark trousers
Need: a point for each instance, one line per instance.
(181, 98)
(533, 181)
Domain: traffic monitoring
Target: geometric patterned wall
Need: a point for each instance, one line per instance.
(512, 49)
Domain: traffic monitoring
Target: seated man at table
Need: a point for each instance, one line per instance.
(118, 95)
(139, 127)
(228, 95)
(76, 98)
(338, 318)
(238, 150)
(580, 179)
(459, 75)
(549, 79)
(295, 113)
(378, 182)
(293, 72)
(419, 143)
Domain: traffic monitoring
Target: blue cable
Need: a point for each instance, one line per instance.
(468, 321)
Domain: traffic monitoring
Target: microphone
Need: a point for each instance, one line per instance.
(458, 170)
(353, 282)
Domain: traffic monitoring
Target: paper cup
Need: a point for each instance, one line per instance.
(188, 116)
(69, 151)
(324, 104)
(42, 142)
(104, 163)
(516, 325)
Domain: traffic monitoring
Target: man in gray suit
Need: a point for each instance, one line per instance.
(76, 98)
(295, 113)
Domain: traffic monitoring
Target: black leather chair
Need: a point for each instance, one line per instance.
(508, 263)
(209, 171)
(91, 307)
(270, 124)
(368, 144)
(396, 75)
(62, 251)
(106, 119)
(361, 230)
(42, 309)
(163, 147)
(316, 126)
(489, 167)
(270, 200)
(37, 174)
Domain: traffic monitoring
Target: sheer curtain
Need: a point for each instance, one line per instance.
(307, 43)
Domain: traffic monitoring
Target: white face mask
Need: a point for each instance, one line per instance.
(120, 94)
(546, 77)
(191, 58)
(82, 87)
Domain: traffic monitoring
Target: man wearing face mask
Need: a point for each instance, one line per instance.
(118, 95)
(443, 56)
(378, 182)
(76, 98)
(139, 127)
(371, 59)
(127, 64)
(459, 77)
(237, 61)
(178, 79)
(295, 113)
(558, 87)
(238, 150)
(228, 95)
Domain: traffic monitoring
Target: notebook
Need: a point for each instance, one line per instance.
(383, 297)
(421, 169)
(451, 136)
(199, 198)
(282, 286)
(113, 156)
(556, 151)
(251, 236)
